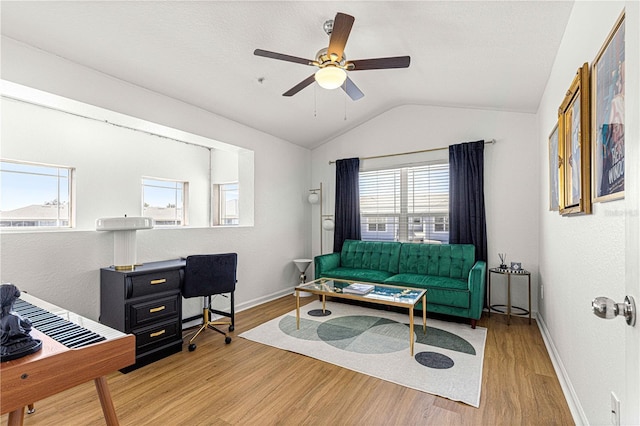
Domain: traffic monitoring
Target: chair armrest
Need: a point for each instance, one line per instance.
(325, 262)
(477, 284)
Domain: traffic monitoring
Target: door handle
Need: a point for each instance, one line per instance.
(606, 308)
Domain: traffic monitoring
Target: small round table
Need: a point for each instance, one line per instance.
(509, 272)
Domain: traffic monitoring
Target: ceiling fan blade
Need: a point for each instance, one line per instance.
(341, 28)
(379, 63)
(298, 87)
(352, 90)
(282, 57)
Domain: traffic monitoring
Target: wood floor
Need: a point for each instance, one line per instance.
(246, 383)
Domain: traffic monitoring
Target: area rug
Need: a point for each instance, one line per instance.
(447, 360)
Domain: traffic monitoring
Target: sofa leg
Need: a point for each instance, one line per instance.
(473, 323)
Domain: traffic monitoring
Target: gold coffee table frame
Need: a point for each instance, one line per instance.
(327, 287)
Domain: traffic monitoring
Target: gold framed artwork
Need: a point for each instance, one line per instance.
(574, 147)
(607, 87)
(554, 186)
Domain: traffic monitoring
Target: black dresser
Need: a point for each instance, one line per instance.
(145, 302)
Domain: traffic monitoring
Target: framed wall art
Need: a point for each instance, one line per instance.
(607, 88)
(554, 187)
(574, 147)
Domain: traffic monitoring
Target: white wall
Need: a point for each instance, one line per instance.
(224, 166)
(583, 257)
(62, 267)
(109, 160)
(511, 174)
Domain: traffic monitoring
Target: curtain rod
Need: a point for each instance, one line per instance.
(490, 141)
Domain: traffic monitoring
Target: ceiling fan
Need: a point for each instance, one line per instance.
(332, 62)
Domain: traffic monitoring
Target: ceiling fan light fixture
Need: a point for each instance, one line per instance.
(330, 77)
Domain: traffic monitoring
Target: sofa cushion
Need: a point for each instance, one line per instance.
(427, 281)
(449, 297)
(440, 290)
(440, 260)
(354, 274)
(374, 255)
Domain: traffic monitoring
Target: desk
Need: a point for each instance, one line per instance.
(509, 273)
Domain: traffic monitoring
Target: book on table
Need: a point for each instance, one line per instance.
(358, 288)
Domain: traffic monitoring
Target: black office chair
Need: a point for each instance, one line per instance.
(207, 275)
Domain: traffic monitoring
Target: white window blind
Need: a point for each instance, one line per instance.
(406, 204)
(380, 204)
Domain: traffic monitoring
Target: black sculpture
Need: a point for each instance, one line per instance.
(15, 340)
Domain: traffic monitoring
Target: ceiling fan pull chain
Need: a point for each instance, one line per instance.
(315, 100)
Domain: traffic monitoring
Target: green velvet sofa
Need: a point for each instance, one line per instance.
(454, 280)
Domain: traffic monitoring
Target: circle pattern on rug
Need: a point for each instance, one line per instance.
(364, 334)
(434, 360)
(319, 313)
(374, 335)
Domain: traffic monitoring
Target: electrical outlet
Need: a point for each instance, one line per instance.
(615, 410)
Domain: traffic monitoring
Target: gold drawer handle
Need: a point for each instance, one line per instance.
(160, 281)
(157, 333)
(158, 309)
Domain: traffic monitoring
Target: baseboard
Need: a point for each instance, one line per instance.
(579, 416)
(264, 299)
(197, 320)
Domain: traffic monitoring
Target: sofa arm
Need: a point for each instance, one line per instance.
(477, 284)
(326, 262)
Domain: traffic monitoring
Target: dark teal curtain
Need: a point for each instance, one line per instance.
(347, 202)
(467, 220)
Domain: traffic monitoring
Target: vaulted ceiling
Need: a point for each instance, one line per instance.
(473, 54)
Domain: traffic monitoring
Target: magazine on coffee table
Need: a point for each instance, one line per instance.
(358, 288)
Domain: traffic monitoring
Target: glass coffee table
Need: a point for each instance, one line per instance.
(381, 294)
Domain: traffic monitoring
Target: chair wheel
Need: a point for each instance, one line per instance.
(231, 328)
(192, 347)
(227, 340)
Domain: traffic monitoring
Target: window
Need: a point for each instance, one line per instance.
(406, 204)
(226, 196)
(35, 195)
(163, 200)
(376, 224)
(441, 224)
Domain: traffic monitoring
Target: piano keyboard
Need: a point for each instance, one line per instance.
(75, 350)
(63, 326)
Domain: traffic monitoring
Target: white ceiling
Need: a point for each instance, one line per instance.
(475, 54)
